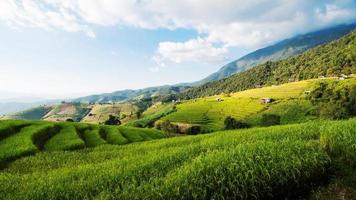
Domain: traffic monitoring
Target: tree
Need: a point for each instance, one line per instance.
(113, 120)
(231, 123)
(69, 120)
(193, 130)
(270, 120)
(169, 128)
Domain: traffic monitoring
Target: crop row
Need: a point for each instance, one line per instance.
(260, 163)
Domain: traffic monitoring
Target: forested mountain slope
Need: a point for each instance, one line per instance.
(281, 50)
(332, 59)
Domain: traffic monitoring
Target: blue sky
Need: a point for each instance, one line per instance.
(53, 48)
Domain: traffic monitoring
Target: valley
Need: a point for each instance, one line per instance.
(278, 123)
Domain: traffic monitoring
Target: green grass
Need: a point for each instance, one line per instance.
(9, 127)
(140, 134)
(22, 138)
(261, 163)
(210, 114)
(66, 139)
(290, 111)
(152, 114)
(92, 137)
(112, 135)
(288, 90)
(22, 143)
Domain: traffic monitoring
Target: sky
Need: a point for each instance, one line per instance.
(70, 48)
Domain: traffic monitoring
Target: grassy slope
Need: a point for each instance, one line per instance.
(263, 163)
(32, 114)
(22, 138)
(245, 105)
(66, 111)
(100, 113)
(153, 114)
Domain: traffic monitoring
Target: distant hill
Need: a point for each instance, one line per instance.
(124, 95)
(281, 50)
(332, 59)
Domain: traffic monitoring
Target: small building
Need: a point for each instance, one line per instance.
(307, 92)
(219, 99)
(266, 100)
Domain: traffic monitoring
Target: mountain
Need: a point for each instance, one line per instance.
(280, 50)
(333, 59)
(16, 105)
(124, 95)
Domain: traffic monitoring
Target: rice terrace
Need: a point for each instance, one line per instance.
(177, 100)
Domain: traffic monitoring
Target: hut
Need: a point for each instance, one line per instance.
(266, 100)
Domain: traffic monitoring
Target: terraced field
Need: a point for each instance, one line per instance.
(281, 162)
(99, 113)
(23, 138)
(153, 114)
(288, 90)
(210, 112)
(66, 111)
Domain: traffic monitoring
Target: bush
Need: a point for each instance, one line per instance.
(168, 127)
(231, 123)
(193, 130)
(270, 120)
(113, 120)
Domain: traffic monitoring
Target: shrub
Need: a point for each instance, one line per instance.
(113, 120)
(270, 120)
(232, 123)
(193, 130)
(168, 127)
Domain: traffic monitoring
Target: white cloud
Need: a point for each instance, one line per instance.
(195, 50)
(234, 23)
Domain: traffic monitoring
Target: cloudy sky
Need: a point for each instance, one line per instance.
(57, 48)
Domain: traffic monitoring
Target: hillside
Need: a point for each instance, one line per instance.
(281, 50)
(22, 138)
(124, 95)
(283, 162)
(210, 112)
(99, 113)
(284, 49)
(332, 59)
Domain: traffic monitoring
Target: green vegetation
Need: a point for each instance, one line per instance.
(92, 137)
(22, 138)
(277, 162)
(231, 123)
(32, 114)
(10, 127)
(140, 134)
(23, 143)
(66, 139)
(152, 114)
(335, 99)
(112, 135)
(290, 111)
(210, 113)
(332, 59)
(64, 111)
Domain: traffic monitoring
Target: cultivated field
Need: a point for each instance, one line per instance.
(210, 112)
(23, 138)
(261, 163)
